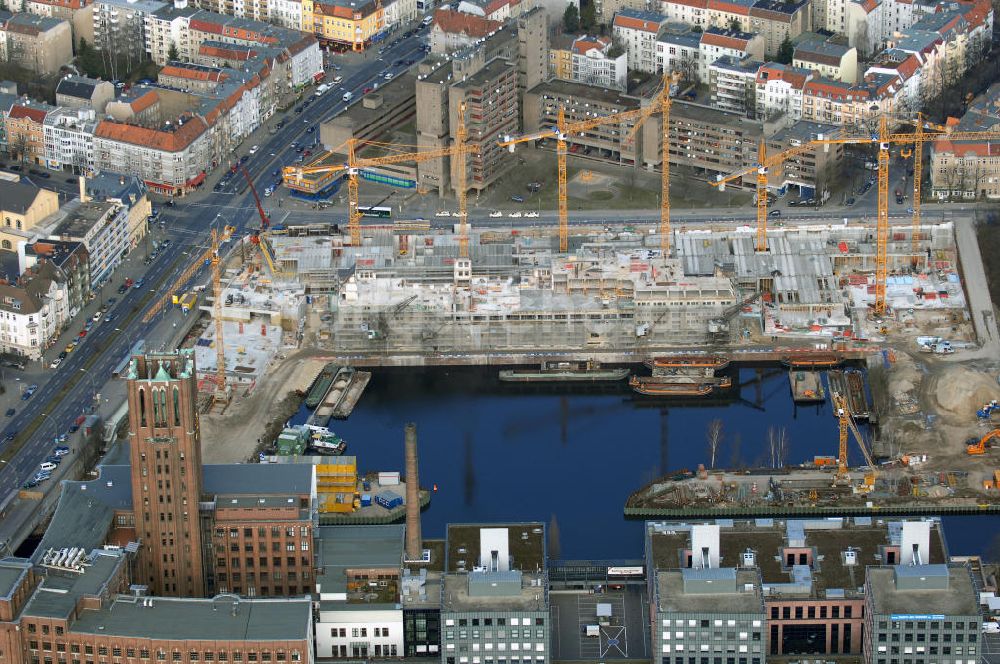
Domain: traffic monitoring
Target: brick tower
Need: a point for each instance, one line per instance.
(164, 440)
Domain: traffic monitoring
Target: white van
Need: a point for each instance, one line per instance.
(427, 20)
(348, 96)
(321, 89)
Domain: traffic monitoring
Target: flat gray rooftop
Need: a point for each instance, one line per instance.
(11, 571)
(59, 592)
(202, 619)
(526, 542)
(959, 599)
(673, 599)
(456, 598)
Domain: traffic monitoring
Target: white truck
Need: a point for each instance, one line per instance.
(321, 89)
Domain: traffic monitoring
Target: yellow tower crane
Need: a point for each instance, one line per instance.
(846, 421)
(293, 176)
(561, 132)
(765, 162)
(884, 140)
(204, 258)
(463, 209)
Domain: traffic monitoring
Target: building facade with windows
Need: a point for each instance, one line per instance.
(69, 139)
(923, 613)
(636, 31)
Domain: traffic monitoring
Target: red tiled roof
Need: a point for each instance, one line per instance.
(68, 4)
(729, 7)
(223, 28)
(831, 89)
(241, 53)
(166, 141)
(454, 22)
(583, 44)
(35, 114)
(496, 5)
(794, 78)
(140, 104)
(632, 23)
(964, 149)
(700, 4)
(724, 41)
(192, 74)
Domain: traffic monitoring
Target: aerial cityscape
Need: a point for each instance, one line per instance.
(499, 331)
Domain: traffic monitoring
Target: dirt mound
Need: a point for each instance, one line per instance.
(960, 391)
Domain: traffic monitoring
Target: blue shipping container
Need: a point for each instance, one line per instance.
(389, 499)
(366, 500)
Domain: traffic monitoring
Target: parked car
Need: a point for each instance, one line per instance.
(517, 199)
(774, 213)
(61, 450)
(52, 458)
(55, 363)
(10, 412)
(47, 465)
(70, 347)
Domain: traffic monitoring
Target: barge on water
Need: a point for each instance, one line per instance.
(689, 362)
(564, 372)
(811, 360)
(656, 386)
(326, 442)
(807, 386)
(321, 385)
(359, 381)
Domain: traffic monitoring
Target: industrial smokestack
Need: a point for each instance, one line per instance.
(414, 542)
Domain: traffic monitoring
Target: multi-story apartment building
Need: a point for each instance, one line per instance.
(102, 227)
(636, 32)
(969, 169)
(69, 139)
(718, 42)
(27, 319)
(171, 160)
(776, 20)
(732, 83)
(83, 92)
(922, 612)
(71, 263)
(492, 111)
(613, 143)
(828, 58)
(780, 90)
(119, 27)
(344, 24)
(79, 14)
(453, 30)
(38, 43)
(812, 172)
(494, 600)
(607, 9)
(25, 123)
(130, 193)
(360, 616)
(596, 61)
(678, 51)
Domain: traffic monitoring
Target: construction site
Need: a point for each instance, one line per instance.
(887, 296)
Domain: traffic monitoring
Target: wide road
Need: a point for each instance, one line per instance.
(69, 391)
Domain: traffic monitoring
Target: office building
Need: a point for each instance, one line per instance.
(923, 613)
(495, 604)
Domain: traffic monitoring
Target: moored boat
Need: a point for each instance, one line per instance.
(320, 386)
(565, 372)
(690, 361)
(656, 387)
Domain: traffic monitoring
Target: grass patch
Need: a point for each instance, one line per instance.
(600, 195)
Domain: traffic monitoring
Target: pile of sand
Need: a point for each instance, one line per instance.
(961, 391)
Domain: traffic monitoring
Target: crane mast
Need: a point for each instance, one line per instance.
(221, 394)
(463, 211)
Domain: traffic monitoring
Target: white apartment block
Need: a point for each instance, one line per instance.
(636, 31)
(69, 139)
(733, 85)
(26, 319)
(103, 228)
(288, 13)
(356, 632)
(779, 91)
(717, 43)
(593, 65)
(680, 53)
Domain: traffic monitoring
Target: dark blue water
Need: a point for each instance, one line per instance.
(500, 452)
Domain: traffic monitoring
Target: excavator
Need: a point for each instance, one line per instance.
(974, 448)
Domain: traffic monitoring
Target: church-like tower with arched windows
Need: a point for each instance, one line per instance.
(165, 447)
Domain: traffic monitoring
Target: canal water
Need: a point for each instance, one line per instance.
(509, 452)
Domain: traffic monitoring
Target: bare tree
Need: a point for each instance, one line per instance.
(713, 439)
(554, 545)
(777, 442)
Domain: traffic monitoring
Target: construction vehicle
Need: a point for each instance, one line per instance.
(975, 448)
(986, 411)
(846, 422)
(562, 130)
(293, 175)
